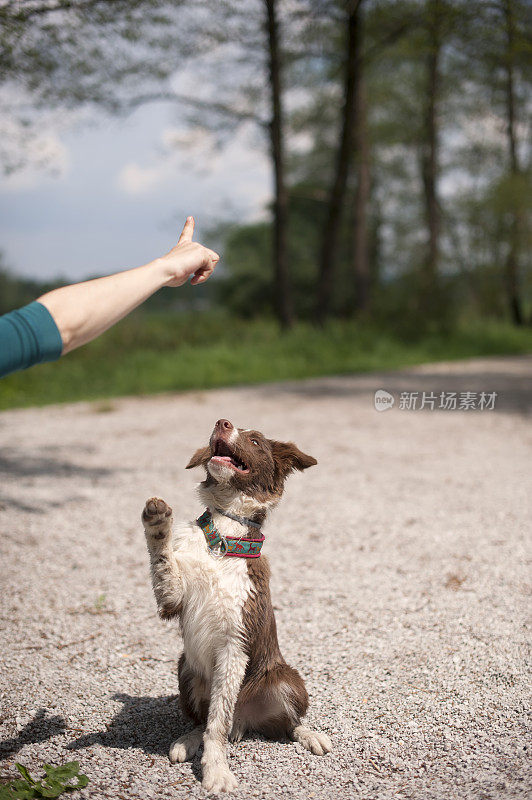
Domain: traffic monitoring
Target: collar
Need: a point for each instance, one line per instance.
(242, 520)
(230, 545)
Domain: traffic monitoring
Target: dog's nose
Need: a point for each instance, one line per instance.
(224, 425)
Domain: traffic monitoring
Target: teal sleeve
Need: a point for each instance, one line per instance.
(28, 336)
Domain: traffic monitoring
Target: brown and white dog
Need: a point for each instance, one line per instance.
(232, 676)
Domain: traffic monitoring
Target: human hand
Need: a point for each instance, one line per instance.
(188, 258)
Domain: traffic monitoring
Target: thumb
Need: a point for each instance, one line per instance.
(188, 231)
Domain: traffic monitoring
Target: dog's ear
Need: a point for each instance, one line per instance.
(288, 457)
(200, 457)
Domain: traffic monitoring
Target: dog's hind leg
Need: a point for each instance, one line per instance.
(165, 574)
(295, 698)
(274, 703)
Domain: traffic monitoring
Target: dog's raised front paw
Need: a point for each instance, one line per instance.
(157, 518)
(218, 778)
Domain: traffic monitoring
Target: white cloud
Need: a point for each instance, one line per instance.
(237, 174)
(138, 181)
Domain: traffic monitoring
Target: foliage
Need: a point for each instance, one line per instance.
(246, 288)
(149, 353)
(56, 781)
(475, 200)
(116, 55)
(16, 292)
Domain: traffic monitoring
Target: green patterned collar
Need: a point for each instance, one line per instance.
(229, 545)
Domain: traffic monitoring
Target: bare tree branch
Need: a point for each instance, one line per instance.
(19, 13)
(206, 105)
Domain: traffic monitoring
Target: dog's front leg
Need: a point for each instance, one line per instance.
(227, 679)
(165, 575)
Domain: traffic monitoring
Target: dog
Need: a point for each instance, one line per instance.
(211, 575)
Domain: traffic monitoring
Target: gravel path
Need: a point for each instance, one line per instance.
(400, 581)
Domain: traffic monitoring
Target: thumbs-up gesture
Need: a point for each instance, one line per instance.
(188, 258)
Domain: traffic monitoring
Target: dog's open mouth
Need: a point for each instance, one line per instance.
(224, 455)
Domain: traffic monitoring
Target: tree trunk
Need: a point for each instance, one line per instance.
(512, 260)
(283, 292)
(331, 231)
(360, 249)
(430, 161)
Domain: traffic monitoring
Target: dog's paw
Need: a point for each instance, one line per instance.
(218, 778)
(157, 518)
(186, 747)
(317, 743)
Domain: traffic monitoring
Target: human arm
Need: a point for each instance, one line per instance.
(85, 310)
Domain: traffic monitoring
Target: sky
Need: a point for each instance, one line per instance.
(120, 192)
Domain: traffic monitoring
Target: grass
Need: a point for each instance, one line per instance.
(149, 353)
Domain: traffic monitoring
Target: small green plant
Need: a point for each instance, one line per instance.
(56, 781)
(100, 603)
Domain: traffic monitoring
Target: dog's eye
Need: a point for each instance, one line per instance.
(254, 441)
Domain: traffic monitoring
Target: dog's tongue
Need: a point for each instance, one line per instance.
(223, 458)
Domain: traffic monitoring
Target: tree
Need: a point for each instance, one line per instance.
(507, 9)
(439, 26)
(119, 55)
(430, 145)
(284, 303)
(396, 131)
(389, 23)
(360, 233)
(331, 231)
(417, 78)
(498, 59)
(493, 37)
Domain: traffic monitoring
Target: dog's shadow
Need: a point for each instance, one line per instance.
(150, 724)
(39, 729)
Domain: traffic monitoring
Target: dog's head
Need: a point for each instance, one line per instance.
(245, 462)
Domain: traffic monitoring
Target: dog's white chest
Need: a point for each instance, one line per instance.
(215, 591)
